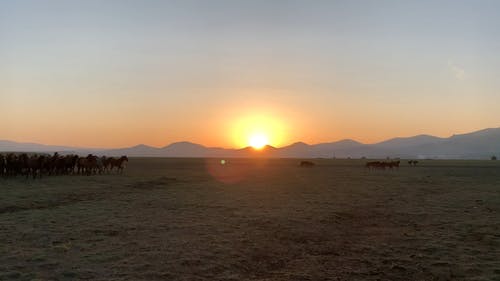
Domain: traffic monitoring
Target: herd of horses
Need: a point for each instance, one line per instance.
(370, 165)
(388, 164)
(12, 165)
(382, 164)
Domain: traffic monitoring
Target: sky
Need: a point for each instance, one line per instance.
(120, 73)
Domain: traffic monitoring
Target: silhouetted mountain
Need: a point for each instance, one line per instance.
(13, 146)
(184, 149)
(140, 150)
(295, 150)
(335, 149)
(409, 141)
(476, 145)
(480, 144)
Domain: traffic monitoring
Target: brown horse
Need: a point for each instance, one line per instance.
(118, 163)
(87, 164)
(106, 163)
(2, 165)
(413, 162)
(34, 165)
(393, 164)
(306, 164)
(374, 164)
(382, 165)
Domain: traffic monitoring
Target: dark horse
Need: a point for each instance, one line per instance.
(3, 164)
(86, 165)
(306, 164)
(412, 162)
(118, 163)
(382, 165)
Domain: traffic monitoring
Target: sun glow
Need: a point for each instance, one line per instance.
(258, 141)
(258, 130)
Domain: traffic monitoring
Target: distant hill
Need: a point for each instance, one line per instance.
(476, 145)
(13, 146)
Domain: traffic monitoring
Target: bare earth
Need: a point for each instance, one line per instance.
(196, 219)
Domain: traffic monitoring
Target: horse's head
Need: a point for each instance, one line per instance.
(124, 158)
(23, 157)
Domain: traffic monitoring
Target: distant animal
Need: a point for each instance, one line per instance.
(413, 162)
(373, 164)
(306, 164)
(394, 164)
(382, 165)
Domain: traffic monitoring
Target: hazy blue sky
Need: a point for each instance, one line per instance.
(116, 73)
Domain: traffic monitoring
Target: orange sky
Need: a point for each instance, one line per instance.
(226, 123)
(117, 74)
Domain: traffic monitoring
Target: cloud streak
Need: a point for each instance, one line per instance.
(457, 71)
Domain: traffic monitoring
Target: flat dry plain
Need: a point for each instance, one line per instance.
(255, 219)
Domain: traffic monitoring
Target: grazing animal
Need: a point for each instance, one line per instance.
(374, 164)
(413, 162)
(306, 164)
(382, 165)
(394, 164)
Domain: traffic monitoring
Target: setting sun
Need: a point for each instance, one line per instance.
(258, 141)
(258, 129)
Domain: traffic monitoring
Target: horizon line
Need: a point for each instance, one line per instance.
(237, 148)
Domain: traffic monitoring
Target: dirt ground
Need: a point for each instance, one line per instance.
(198, 219)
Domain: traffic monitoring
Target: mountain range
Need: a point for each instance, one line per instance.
(475, 145)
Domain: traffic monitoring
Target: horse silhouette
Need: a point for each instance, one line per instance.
(306, 164)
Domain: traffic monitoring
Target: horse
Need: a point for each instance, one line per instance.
(306, 164)
(394, 164)
(52, 164)
(87, 164)
(106, 163)
(34, 165)
(412, 162)
(382, 165)
(2, 165)
(70, 163)
(373, 164)
(118, 163)
(14, 164)
(100, 168)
